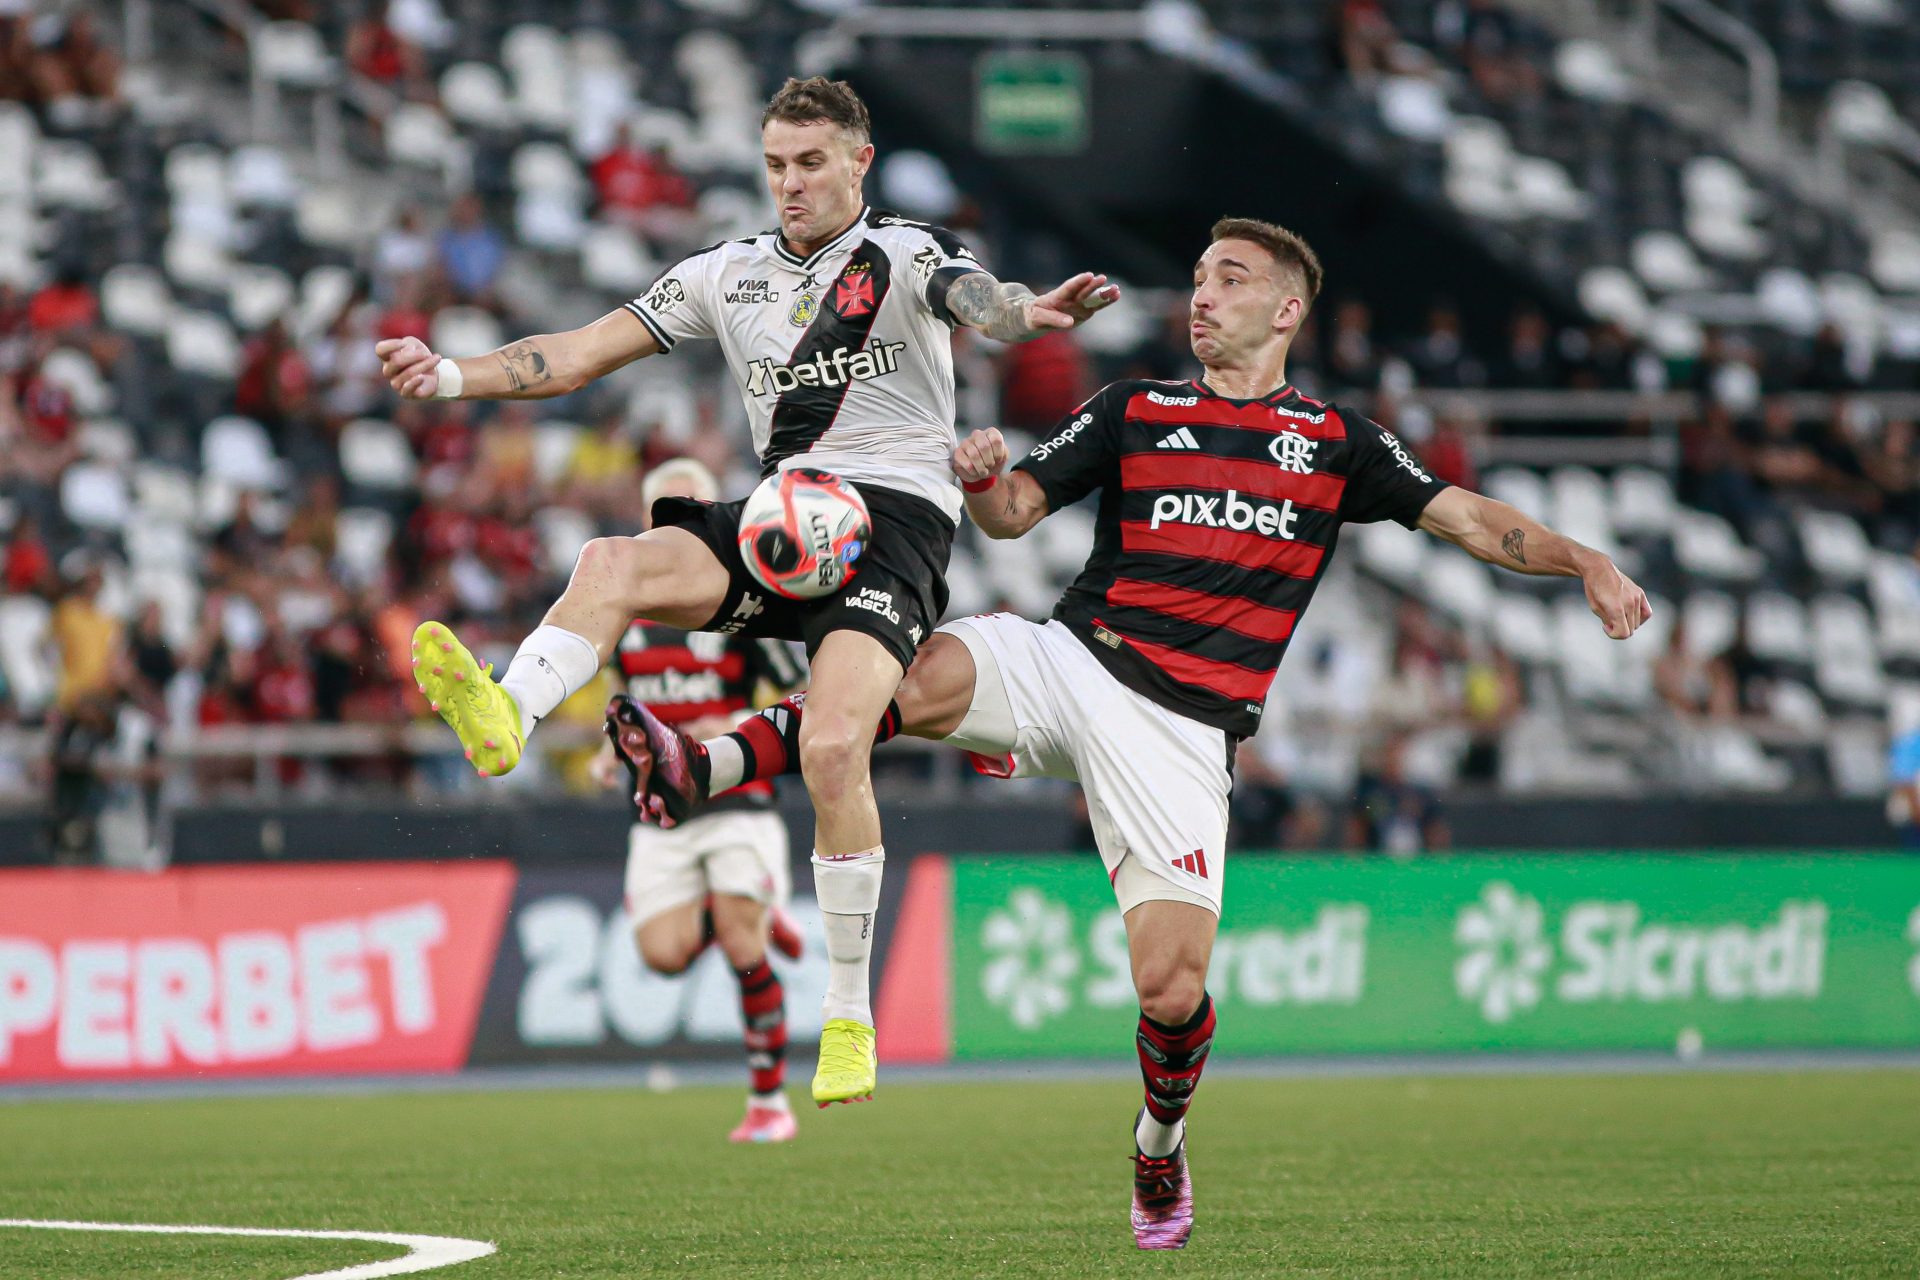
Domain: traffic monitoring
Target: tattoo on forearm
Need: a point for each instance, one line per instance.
(995, 309)
(526, 365)
(1515, 545)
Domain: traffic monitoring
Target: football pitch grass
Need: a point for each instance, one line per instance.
(1688, 1174)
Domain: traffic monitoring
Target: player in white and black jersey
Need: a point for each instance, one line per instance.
(836, 328)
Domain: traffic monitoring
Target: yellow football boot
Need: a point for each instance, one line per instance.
(848, 1065)
(463, 692)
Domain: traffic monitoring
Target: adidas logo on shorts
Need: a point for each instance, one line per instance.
(1195, 862)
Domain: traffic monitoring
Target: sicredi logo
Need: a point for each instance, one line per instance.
(1213, 511)
(824, 370)
(1065, 438)
(1159, 398)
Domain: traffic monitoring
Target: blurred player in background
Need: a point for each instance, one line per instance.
(1220, 501)
(722, 877)
(837, 328)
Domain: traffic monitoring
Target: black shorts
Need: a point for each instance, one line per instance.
(897, 594)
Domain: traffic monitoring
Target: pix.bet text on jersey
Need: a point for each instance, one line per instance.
(683, 675)
(843, 357)
(1217, 518)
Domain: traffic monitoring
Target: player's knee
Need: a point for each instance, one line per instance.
(665, 955)
(1169, 993)
(833, 753)
(744, 943)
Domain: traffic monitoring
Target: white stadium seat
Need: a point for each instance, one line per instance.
(475, 94)
(1457, 584)
(25, 651)
(238, 451)
(134, 299)
(291, 53)
(1777, 628)
(1643, 502)
(94, 496)
(1712, 621)
(76, 371)
(257, 295)
(1893, 584)
(259, 177)
(1708, 547)
(362, 536)
(615, 259)
(374, 455)
(202, 343)
(563, 531)
(1846, 660)
(1523, 628)
(1835, 545)
(1666, 263)
(553, 447)
(68, 175)
(460, 332)
(1395, 553)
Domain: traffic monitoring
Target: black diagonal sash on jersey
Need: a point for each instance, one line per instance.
(802, 415)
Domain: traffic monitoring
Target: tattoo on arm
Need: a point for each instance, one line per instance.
(998, 310)
(526, 365)
(1515, 545)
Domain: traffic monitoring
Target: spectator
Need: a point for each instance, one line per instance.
(1041, 381)
(1440, 358)
(88, 638)
(603, 475)
(1530, 362)
(28, 565)
(1365, 44)
(1351, 360)
(472, 251)
(378, 52)
(1903, 768)
(1449, 447)
(1492, 697)
(275, 386)
(1693, 685)
(403, 252)
(82, 745)
(151, 657)
(642, 188)
(1483, 37)
(1393, 815)
(65, 306)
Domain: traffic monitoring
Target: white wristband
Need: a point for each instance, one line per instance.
(452, 381)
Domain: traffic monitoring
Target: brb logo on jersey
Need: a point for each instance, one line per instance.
(766, 377)
(1212, 511)
(1158, 398)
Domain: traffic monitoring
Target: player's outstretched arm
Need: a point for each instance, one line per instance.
(1502, 535)
(1004, 506)
(535, 368)
(1012, 313)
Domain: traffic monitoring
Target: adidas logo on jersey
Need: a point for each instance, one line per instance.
(1228, 511)
(1181, 439)
(835, 370)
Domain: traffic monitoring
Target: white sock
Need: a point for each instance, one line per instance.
(1158, 1139)
(777, 1100)
(848, 890)
(726, 764)
(551, 666)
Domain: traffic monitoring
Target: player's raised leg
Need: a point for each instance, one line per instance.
(664, 575)
(1170, 944)
(854, 678)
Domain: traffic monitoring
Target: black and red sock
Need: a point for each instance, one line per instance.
(1171, 1059)
(763, 1007)
(770, 739)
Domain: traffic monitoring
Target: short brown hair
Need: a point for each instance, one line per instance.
(819, 99)
(1289, 251)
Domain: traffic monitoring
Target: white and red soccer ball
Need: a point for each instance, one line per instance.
(800, 532)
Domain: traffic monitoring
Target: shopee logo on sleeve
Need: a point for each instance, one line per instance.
(1066, 437)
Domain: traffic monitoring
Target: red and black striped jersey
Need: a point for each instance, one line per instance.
(684, 675)
(1217, 519)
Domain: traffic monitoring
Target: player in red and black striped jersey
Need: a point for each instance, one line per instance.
(723, 877)
(1221, 502)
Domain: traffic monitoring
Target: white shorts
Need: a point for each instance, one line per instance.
(1156, 781)
(742, 852)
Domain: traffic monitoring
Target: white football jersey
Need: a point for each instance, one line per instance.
(844, 358)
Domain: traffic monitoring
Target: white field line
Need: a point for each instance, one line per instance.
(424, 1253)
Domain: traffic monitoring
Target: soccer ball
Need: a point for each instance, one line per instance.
(801, 531)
